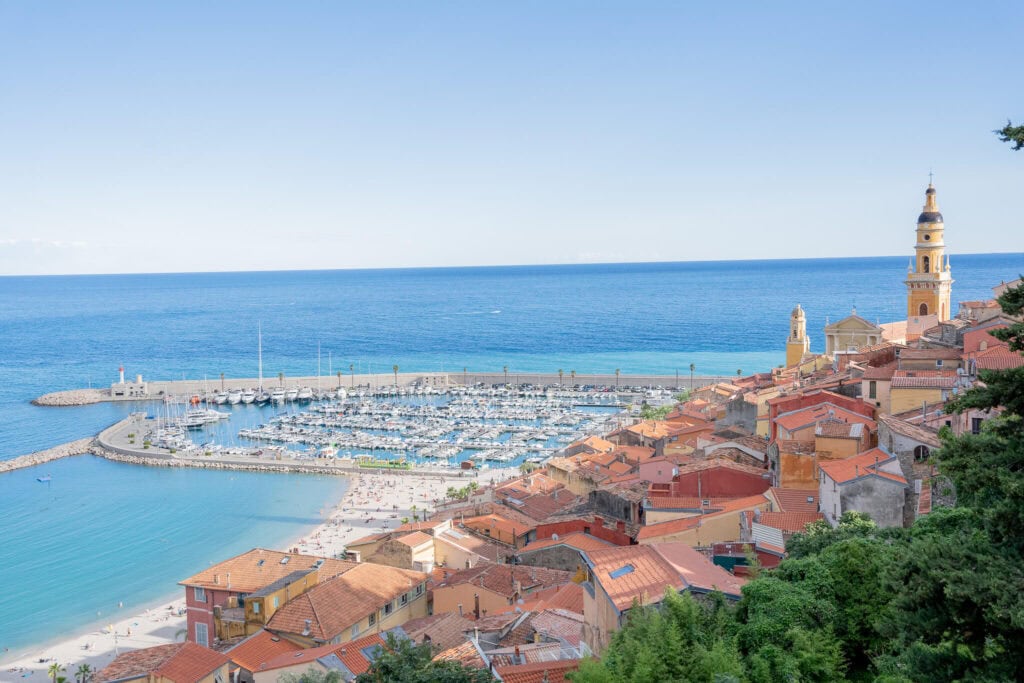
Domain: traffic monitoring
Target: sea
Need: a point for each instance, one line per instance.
(103, 538)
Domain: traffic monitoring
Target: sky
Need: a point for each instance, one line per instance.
(209, 136)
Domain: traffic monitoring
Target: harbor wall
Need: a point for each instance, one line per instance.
(79, 447)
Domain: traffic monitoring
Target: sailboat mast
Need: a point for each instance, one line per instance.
(318, 366)
(259, 336)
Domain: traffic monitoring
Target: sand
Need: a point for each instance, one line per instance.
(372, 503)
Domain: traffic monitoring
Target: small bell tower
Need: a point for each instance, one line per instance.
(798, 342)
(929, 279)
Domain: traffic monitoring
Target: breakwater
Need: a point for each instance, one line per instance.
(78, 447)
(73, 397)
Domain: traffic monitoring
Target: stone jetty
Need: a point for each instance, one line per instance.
(74, 397)
(78, 447)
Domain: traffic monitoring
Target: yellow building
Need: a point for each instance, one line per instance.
(798, 343)
(929, 280)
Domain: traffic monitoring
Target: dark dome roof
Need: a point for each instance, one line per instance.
(930, 190)
(930, 217)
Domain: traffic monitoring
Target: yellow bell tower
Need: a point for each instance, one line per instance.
(929, 280)
(798, 342)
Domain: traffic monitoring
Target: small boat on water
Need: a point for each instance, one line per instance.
(248, 396)
(221, 398)
(235, 396)
(45, 479)
(291, 394)
(305, 394)
(277, 395)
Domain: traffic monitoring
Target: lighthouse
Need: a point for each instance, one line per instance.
(120, 371)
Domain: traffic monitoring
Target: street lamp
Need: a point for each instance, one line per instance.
(692, 368)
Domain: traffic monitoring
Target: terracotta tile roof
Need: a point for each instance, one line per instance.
(806, 417)
(654, 429)
(355, 655)
(660, 502)
(716, 462)
(495, 623)
(260, 648)
(538, 672)
(858, 466)
(177, 662)
(698, 571)
(598, 444)
(465, 654)
(929, 354)
(259, 567)
(881, 372)
(489, 550)
(643, 572)
(673, 526)
(498, 524)
(578, 540)
(926, 436)
(540, 506)
(568, 597)
(416, 538)
(529, 653)
(445, 630)
(789, 521)
(559, 623)
(796, 446)
(794, 500)
(998, 358)
(409, 527)
(635, 454)
(839, 430)
(366, 540)
(520, 634)
(334, 606)
(501, 578)
(923, 379)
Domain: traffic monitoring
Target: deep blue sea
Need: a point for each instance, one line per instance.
(103, 532)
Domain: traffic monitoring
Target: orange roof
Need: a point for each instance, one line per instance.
(578, 540)
(416, 538)
(260, 648)
(697, 570)
(673, 526)
(177, 662)
(805, 417)
(538, 672)
(789, 521)
(998, 358)
(501, 578)
(465, 654)
(598, 443)
(655, 429)
(633, 572)
(335, 605)
(352, 654)
(258, 568)
(864, 464)
(794, 500)
(498, 523)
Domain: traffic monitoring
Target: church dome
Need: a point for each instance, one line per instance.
(930, 216)
(798, 312)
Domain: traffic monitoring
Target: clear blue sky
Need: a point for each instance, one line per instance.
(183, 136)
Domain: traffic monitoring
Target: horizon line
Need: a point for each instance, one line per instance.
(487, 265)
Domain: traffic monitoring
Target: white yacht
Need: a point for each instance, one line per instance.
(291, 394)
(235, 396)
(277, 395)
(248, 396)
(305, 394)
(221, 398)
(342, 394)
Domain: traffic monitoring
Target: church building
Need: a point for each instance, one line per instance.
(798, 343)
(929, 280)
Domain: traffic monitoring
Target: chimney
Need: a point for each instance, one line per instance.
(517, 659)
(599, 521)
(308, 629)
(476, 605)
(229, 580)
(216, 579)
(620, 526)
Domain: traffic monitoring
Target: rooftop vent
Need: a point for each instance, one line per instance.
(284, 560)
(307, 630)
(622, 571)
(260, 563)
(810, 499)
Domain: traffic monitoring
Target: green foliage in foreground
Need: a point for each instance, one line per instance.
(651, 413)
(402, 661)
(1013, 134)
(940, 601)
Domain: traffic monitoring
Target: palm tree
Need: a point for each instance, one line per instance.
(465, 380)
(572, 374)
(560, 378)
(505, 368)
(617, 371)
(222, 381)
(692, 368)
(739, 372)
(339, 379)
(280, 378)
(352, 371)
(55, 670)
(394, 369)
(83, 673)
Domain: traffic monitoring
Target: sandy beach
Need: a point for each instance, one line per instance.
(372, 503)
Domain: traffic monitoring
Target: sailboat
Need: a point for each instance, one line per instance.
(262, 395)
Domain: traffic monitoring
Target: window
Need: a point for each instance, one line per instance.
(199, 594)
(203, 635)
(926, 264)
(255, 607)
(872, 389)
(373, 619)
(938, 363)
(355, 630)
(923, 309)
(277, 601)
(419, 589)
(404, 600)
(389, 608)
(921, 453)
(976, 425)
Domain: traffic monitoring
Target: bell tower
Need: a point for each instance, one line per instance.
(929, 280)
(798, 342)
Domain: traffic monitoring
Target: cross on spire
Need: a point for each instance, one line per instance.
(930, 174)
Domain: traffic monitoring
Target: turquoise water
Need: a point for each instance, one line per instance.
(101, 532)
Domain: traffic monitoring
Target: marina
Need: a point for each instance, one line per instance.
(392, 427)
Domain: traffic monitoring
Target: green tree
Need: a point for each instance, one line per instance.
(55, 670)
(83, 673)
(1013, 134)
(400, 660)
